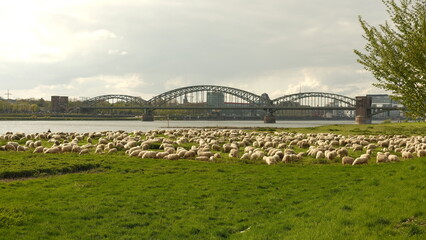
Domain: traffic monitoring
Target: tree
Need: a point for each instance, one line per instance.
(396, 54)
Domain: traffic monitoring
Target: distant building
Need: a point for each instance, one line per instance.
(59, 104)
(384, 100)
(215, 99)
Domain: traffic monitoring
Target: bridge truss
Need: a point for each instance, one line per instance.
(115, 98)
(198, 94)
(318, 99)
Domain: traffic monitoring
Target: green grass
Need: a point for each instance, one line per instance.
(418, 128)
(21, 165)
(133, 198)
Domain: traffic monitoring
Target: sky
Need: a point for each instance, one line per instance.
(87, 48)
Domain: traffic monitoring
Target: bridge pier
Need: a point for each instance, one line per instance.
(363, 110)
(269, 117)
(148, 116)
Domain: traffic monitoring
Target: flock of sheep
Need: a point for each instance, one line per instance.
(211, 144)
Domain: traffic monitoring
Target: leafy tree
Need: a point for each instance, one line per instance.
(396, 54)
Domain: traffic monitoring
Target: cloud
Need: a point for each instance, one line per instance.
(117, 52)
(47, 33)
(176, 82)
(345, 80)
(277, 47)
(129, 84)
(98, 35)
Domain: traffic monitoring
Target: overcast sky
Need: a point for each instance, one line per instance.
(143, 48)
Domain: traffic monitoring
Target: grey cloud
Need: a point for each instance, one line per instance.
(212, 42)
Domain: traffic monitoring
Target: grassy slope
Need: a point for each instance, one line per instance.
(130, 198)
(418, 128)
(158, 199)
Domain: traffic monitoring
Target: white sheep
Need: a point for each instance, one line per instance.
(382, 157)
(269, 160)
(52, 150)
(150, 154)
(406, 155)
(202, 158)
(360, 160)
(163, 155)
(347, 160)
(233, 153)
(319, 155)
(84, 151)
(421, 153)
(112, 150)
(172, 156)
(393, 158)
(38, 149)
(190, 154)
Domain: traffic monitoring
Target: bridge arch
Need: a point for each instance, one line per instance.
(165, 97)
(115, 97)
(317, 98)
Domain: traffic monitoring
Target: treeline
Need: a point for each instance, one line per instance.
(24, 106)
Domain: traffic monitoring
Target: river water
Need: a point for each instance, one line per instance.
(129, 126)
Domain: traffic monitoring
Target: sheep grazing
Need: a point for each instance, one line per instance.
(330, 155)
(421, 153)
(288, 158)
(360, 160)
(21, 148)
(208, 153)
(357, 147)
(149, 154)
(269, 160)
(112, 150)
(319, 155)
(406, 155)
(76, 149)
(163, 155)
(202, 158)
(382, 157)
(9, 147)
(52, 150)
(84, 151)
(342, 152)
(99, 150)
(190, 154)
(347, 160)
(226, 148)
(135, 153)
(393, 158)
(66, 148)
(257, 155)
(172, 156)
(245, 156)
(233, 153)
(38, 149)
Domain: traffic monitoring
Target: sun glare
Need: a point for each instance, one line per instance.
(28, 36)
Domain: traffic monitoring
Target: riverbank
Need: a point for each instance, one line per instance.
(64, 117)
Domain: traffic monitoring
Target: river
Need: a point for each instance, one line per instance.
(129, 126)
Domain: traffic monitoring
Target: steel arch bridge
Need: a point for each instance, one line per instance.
(115, 97)
(232, 102)
(315, 99)
(179, 92)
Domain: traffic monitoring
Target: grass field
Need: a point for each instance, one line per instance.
(119, 197)
(412, 128)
